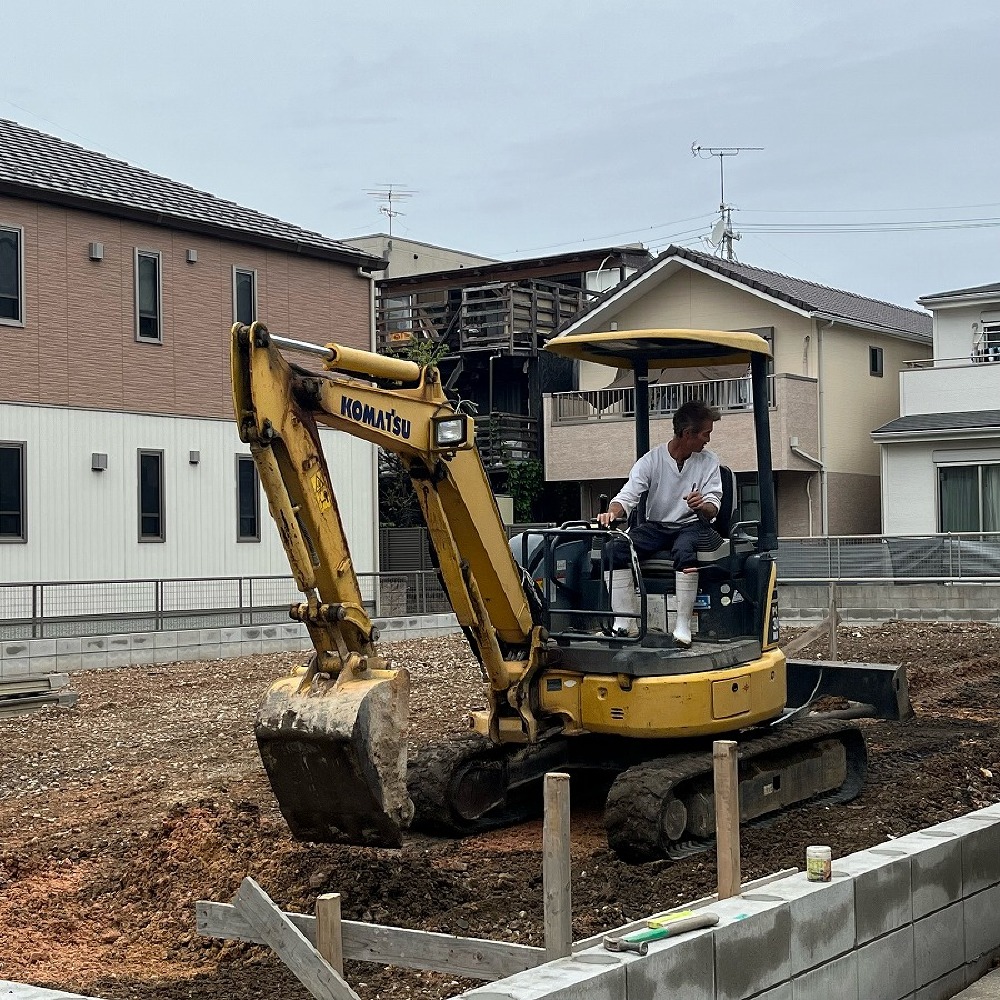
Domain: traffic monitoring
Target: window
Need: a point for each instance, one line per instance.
(151, 496)
(11, 276)
(247, 500)
(244, 296)
(988, 347)
(747, 497)
(147, 297)
(12, 526)
(969, 497)
(876, 363)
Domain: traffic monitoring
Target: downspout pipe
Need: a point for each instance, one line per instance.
(796, 450)
(820, 381)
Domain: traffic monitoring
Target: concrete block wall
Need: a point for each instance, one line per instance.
(33, 657)
(868, 603)
(916, 918)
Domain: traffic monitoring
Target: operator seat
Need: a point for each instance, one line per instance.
(714, 547)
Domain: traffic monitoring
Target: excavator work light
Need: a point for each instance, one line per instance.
(450, 432)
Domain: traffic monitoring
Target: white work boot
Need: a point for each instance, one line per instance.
(685, 591)
(624, 601)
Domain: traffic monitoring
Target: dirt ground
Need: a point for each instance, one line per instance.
(116, 816)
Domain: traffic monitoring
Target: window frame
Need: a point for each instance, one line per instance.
(240, 459)
(19, 232)
(162, 536)
(237, 270)
(940, 467)
(139, 253)
(22, 538)
(876, 361)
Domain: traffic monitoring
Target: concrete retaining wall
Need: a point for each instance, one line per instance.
(867, 603)
(917, 917)
(27, 657)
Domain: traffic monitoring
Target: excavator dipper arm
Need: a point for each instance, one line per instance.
(332, 736)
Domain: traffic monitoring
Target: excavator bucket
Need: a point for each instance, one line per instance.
(335, 754)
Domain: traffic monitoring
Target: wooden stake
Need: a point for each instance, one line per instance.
(727, 816)
(329, 938)
(556, 878)
(833, 621)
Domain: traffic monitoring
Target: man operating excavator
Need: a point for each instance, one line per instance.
(683, 485)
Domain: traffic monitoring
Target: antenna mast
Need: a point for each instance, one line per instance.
(387, 194)
(722, 231)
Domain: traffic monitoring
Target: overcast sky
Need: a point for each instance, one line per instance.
(525, 127)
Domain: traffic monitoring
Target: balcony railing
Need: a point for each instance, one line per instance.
(506, 437)
(504, 316)
(979, 356)
(728, 395)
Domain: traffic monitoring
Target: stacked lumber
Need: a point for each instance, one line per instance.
(29, 694)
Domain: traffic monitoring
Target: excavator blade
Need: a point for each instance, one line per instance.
(335, 754)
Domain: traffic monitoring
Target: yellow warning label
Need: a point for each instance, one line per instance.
(322, 490)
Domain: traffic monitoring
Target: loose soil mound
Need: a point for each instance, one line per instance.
(118, 815)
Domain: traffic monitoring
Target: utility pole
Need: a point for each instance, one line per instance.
(722, 231)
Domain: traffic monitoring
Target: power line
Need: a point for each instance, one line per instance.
(609, 236)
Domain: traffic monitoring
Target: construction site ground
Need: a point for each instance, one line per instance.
(117, 815)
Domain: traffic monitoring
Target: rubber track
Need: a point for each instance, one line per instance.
(429, 780)
(632, 813)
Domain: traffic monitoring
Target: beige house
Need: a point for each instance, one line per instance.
(836, 362)
(119, 455)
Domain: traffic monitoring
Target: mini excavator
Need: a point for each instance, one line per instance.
(562, 690)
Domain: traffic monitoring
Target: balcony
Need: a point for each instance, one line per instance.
(505, 437)
(515, 318)
(950, 385)
(591, 435)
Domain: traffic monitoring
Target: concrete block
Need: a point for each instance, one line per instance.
(980, 968)
(15, 668)
(119, 658)
(838, 978)
(188, 636)
(210, 636)
(230, 634)
(230, 650)
(68, 662)
(165, 654)
(591, 974)
(982, 923)
(250, 647)
(939, 944)
(272, 645)
(71, 644)
(143, 654)
(42, 647)
(250, 633)
(119, 642)
(935, 870)
(39, 665)
(94, 644)
(885, 967)
(18, 650)
(687, 964)
(206, 651)
(989, 813)
(94, 659)
(142, 640)
(190, 654)
(980, 836)
(943, 988)
(752, 942)
(293, 630)
(165, 640)
(882, 896)
(270, 632)
(822, 918)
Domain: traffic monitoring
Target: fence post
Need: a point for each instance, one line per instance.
(239, 596)
(832, 651)
(556, 870)
(158, 602)
(725, 772)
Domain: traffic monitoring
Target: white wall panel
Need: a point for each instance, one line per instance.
(83, 525)
(909, 489)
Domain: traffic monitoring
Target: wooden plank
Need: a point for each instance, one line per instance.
(290, 944)
(727, 816)
(329, 938)
(833, 617)
(473, 958)
(556, 873)
(796, 646)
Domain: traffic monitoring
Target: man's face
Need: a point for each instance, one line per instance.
(697, 439)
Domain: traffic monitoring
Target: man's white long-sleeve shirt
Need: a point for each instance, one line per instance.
(657, 473)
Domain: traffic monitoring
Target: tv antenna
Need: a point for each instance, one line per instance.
(722, 235)
(388, 194)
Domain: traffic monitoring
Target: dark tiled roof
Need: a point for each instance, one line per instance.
(969, 420)
(41, 167)
(806, 295)
(992, 289)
